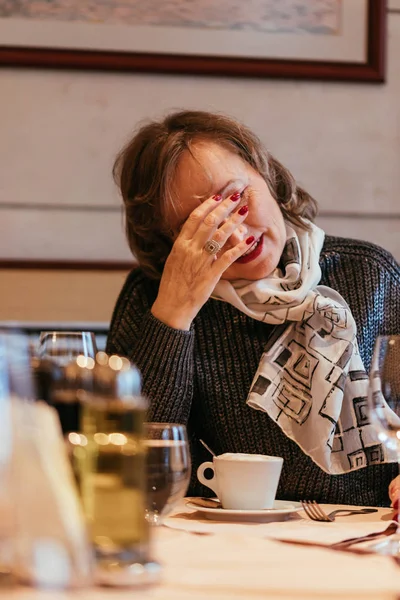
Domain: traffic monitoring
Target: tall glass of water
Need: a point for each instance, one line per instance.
(384, 409)
(168, 468)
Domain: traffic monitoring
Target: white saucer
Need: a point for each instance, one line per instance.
(280, 511)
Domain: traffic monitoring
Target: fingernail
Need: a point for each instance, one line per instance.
(395, 504)
(242, 211)
(250, 239)
(217, 197)
(235, 197)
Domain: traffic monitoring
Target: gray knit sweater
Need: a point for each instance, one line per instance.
(202, 377)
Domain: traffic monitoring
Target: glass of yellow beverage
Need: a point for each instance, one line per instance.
(108, 456)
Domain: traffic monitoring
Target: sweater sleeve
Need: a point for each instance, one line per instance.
(164, 356)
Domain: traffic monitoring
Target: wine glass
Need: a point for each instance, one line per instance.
(168, 468)
(64, 346)
(384, 410)
(57, 349)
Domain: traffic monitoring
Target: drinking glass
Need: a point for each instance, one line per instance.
(108, 459)
(57, 349)
(384, 410)
(168, 468)
(15, 386)
(64, 346)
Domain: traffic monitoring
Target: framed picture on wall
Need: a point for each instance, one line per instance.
(314, 39)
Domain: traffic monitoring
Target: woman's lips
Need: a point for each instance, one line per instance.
(253, 254)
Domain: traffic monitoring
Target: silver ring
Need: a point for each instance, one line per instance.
(212, 247)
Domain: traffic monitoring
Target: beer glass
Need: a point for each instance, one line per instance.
(108, 456)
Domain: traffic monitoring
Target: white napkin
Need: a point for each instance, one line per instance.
(50, 545)
(295, 527)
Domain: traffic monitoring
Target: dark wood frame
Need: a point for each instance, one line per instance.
(66, 265)
(373, 70)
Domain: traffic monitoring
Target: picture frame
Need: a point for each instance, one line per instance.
(179, 51)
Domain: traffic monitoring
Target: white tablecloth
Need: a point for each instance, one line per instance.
(220, 561)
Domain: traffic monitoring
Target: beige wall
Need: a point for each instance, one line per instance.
(61, 130)
(47, 295)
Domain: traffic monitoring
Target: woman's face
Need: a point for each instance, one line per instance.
(213, 169)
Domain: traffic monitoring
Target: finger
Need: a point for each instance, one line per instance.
(221, 235)
(394, 488)
(394, 497)
(197, 216)
(229, 257)
(232, 223)
(217, 218)
(206, 217)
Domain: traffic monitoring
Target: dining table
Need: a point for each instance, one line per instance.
(216, 556)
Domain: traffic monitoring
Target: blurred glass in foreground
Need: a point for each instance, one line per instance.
(15, 384)
(42, 537)
(108, 455)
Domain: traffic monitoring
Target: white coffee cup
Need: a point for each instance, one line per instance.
(243, 481)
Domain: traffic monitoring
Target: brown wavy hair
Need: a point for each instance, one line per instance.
(145, 170)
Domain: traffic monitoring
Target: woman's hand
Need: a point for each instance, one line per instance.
(190, 273)
(394, 492)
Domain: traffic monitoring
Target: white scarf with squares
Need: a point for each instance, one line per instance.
(311, 379)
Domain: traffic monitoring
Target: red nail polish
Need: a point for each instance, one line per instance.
(250, 239)
(395, 505)
(242, 211)
(217, 197)
(235, 197)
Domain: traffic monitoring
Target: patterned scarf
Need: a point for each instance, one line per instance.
(311, 379)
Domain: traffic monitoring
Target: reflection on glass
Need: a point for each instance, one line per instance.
(64, 346)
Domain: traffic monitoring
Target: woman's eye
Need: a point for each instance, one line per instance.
(243, 196)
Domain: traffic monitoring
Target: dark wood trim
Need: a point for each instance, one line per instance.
(111, 209)
(377, 38)
(373, 70)
(66, 265)
(358, 215)
(98, 208)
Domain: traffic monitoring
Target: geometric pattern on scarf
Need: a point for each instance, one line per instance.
(311, 380)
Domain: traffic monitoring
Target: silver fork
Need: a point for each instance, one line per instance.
(316, 513)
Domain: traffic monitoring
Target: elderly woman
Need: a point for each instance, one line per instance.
(242, 315)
